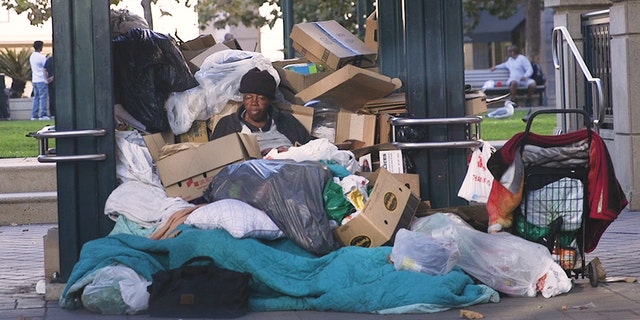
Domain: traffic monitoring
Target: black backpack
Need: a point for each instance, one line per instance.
(538, 75)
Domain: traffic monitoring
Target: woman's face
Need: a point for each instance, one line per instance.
(256, 106)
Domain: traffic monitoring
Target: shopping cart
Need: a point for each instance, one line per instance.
(554, 203)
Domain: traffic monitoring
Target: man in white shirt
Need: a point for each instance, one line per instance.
(39, 81)
(520, 72)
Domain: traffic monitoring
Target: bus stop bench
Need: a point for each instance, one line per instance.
(477, 78)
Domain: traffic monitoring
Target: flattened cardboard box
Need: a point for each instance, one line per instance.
(350, 88)
(391, 206)
(329, 43)
(187, 173)
(371, 31)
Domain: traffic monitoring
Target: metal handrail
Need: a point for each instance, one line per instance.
(395, 121)
(49, 132)
(583, 67)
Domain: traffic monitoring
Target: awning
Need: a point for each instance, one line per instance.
(494, 29)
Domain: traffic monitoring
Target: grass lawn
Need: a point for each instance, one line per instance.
(15, 144)
(504, 129)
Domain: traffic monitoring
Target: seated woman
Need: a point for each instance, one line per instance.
(256, 115)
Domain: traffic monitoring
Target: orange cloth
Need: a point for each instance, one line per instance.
(176, 219)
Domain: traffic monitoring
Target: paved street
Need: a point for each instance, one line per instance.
(23, 266)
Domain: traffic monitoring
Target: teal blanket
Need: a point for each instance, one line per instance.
(285, 277)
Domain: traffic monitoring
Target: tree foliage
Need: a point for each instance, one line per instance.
(38, 11)
(245, 12)
(502, 9)
(221, 13)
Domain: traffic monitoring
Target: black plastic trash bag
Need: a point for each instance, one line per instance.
(289, 192)
(147, 68)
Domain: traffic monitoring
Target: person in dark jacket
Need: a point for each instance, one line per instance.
(256, 115)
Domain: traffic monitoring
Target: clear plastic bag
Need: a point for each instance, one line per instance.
(423, 253)
(183, 108)
(133, 160)
(116, 289)
(502, 261)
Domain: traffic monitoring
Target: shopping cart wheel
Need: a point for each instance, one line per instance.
(593, 274)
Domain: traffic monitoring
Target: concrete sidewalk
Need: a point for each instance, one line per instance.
(23, 266)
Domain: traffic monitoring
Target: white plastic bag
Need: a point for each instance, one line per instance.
(317, 150)
(476, 185)
(419, 252)
(556, 282)
(116, 289)
(133, 160)
(220, 75)
(562, 198)
(183, 108)
(489, 84)
(502, 261)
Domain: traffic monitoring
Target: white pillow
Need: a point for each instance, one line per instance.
(240, 219)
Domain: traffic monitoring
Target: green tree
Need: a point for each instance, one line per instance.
(504, 9)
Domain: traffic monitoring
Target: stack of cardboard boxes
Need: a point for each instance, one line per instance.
(348, 79)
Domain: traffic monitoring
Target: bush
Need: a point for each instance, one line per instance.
(15, 65)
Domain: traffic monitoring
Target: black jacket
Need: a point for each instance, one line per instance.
(286, 123)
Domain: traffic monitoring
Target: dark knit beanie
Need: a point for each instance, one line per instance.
(258, 82)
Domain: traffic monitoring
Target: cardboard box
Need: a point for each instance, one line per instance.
(192, 48)
(383, 134)
(350, 88)
(51, 253)
(391, 206)
(187, 173)
(409, 180)
(329, 43)
(393, 103)
(195, 62)
(292, 82)
(301, 113)
(475, 103)
(392, 160)
(371, 31)
(376, 157)
(353, 126)
(197, 133)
